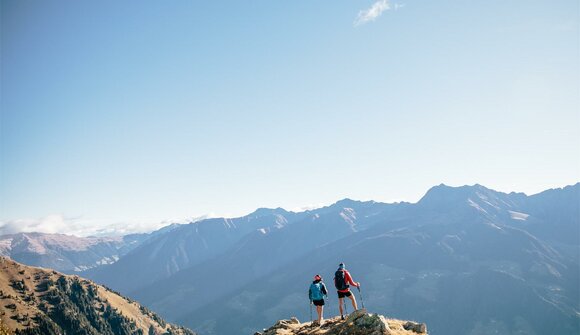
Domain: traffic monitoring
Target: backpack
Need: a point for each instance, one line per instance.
(339, 280)
(316, 291)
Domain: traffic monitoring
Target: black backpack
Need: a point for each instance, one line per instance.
(339, 281)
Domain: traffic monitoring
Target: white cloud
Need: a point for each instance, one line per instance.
(370, 14)
(79, 226)
(59, 224)
(308, 208)
(49, 224)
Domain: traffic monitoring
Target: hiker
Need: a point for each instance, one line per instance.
(342, 279)
(317, 293)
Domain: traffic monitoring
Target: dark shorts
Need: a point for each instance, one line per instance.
(344, 294)
(318, 302)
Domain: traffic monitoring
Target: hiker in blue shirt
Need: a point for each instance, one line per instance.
(317, 293)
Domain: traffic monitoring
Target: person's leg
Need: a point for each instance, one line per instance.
(319, 311)
(353, 300)
(340, 302)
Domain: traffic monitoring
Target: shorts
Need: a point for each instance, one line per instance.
(318, 302)
(344, 294)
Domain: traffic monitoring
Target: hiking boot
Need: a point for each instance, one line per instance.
(342, 317)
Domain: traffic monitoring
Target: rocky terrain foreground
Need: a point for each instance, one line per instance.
(357, 323)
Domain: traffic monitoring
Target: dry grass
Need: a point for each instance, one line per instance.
(131, 310)
(4, 330)
(17, 308)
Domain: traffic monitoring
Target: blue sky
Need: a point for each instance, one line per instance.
(128, 113)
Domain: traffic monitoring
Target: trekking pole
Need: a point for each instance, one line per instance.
(361, 298)
(311, 312)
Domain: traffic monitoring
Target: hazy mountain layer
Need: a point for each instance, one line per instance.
(193, 244)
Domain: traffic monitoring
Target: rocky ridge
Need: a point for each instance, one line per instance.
(358, 323)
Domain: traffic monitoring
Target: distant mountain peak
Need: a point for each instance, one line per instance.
(347, 202)
(464, 189)
(443, 196)
(351, 203)
(268, 211)
(450, 188)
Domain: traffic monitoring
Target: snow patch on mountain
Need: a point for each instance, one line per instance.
(280, 220)
(518, 216)
(476, 206)
(493, 225)
(447, 241)
(349, 215)
(102, 261)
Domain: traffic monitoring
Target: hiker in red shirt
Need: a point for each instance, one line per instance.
(342, 280)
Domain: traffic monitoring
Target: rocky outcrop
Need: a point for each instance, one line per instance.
(357, 323)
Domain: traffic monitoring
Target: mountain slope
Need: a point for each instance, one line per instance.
(197, 243)
(39, 301)
(257, 254)
(182, 247)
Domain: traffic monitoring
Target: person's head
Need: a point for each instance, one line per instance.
(341, 266)
(317, 278)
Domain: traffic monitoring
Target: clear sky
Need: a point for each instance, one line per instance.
(129, 113)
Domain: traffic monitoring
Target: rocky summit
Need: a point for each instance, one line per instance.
(357, 323)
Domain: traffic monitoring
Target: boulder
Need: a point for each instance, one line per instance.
(362, 323)
(419, 328)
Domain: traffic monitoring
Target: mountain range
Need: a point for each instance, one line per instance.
(66, 253)
(69, 253)
(465, 260)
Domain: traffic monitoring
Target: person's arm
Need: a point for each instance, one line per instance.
(349, 280)
(310, 294)
(324, 290)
